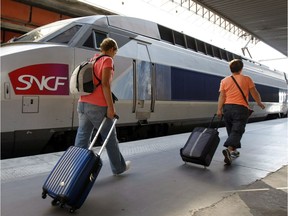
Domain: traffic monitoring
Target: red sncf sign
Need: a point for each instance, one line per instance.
(41, 79)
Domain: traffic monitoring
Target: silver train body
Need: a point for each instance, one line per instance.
(161, 77)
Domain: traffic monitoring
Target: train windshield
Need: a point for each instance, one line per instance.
(41, 32)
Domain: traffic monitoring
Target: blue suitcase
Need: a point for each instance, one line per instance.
(72, 178)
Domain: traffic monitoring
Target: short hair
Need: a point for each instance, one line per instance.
(107, 44)
(236, 65)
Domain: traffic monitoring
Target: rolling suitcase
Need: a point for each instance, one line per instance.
(72, 178)
(201, 145)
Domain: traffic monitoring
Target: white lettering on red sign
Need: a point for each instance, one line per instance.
(41, 84)
(41, 79)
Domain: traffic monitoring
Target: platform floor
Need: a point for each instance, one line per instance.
(159, 183)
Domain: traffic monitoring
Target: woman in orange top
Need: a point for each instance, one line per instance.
(93, 107)
(232, 105)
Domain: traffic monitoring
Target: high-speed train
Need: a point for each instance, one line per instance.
(162, 78)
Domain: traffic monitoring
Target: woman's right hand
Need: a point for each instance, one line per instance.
(260, 104)
(219, 113)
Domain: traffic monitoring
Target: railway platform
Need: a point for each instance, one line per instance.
(159, 183)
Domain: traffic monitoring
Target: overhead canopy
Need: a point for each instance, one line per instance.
(266, 20)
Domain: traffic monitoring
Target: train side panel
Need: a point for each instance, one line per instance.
(35, 101)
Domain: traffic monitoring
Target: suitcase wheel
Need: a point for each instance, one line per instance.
(72, 210)
(44, 195)
(55, 202)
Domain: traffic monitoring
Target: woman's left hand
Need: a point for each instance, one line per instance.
(111, 112)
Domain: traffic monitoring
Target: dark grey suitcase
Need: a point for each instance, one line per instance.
(201, 145)
(72, 178)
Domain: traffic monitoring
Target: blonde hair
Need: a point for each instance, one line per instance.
(107, 44)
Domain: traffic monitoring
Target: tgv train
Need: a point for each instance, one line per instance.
(162, 78)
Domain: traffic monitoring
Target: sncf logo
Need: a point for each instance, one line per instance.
(41, 79)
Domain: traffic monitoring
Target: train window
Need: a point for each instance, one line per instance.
(216, 52)
(89, 42)
(41, 32)
(66, 36)
(94, 40)
(99, 38)
(201, 46)
(209, 50)
(166, 34)
(230, 56)
(224, 54)
(179, 39)
(235, 56)
(191, 43)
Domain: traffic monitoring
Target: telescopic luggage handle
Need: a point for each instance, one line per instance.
(116, 117)
(218, 124)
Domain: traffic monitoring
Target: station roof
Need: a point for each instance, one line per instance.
(73, 8)
(266, 20)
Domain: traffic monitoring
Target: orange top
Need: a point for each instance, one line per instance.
(97, 97)
(232, 92)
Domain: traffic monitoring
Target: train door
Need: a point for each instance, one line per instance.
(143, 98)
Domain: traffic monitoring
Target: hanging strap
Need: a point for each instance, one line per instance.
(114, 98)
(240, 90)
(99, 81)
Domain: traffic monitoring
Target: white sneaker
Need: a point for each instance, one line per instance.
(227, 156)
(235, 154)
(128, 164)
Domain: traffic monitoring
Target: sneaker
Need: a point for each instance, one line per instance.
(227, 156)
(235, 154)
(128, 164)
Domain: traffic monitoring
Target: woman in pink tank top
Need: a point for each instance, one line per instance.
(93, 107)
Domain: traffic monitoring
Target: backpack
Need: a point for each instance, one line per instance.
(81, 81)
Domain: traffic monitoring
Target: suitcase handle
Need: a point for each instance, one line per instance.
(116, 117)
(218, 121)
